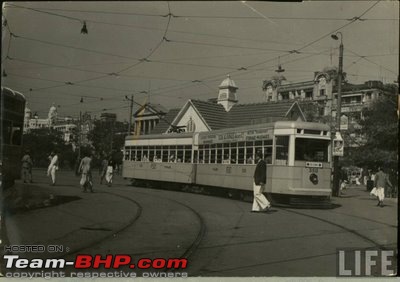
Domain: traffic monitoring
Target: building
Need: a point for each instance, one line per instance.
(321, 94)
(225, 112)
(147, 117)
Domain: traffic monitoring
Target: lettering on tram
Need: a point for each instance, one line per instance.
(297, 156)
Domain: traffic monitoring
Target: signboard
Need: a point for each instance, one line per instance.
(238, 136)
(338, 145)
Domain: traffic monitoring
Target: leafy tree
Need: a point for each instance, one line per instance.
(41, 142)
(107, 138)
(379, 129)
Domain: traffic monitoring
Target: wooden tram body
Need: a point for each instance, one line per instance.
(297, 153)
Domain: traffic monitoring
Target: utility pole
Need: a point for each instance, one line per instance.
(130, 113)
(336, 175)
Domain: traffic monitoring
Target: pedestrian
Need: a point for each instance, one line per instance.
(86, 170)
(110, 172)
(27, 167)
(260, 202)
(381, 182)
(53, 167)
(103, 169)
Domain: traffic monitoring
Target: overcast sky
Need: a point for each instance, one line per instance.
(50, 61)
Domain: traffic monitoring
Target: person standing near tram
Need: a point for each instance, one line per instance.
(260, 202)
(53, 167)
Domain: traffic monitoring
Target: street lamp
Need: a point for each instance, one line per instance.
(336, 174)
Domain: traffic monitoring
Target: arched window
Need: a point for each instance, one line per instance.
(190, 126)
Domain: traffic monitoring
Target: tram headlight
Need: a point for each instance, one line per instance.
(314, 178)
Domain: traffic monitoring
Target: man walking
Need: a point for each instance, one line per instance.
(53, 167)
(27, 167)
(381, 180)
(260, 203)
(85, 169)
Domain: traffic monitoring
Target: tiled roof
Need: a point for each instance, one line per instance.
(246, 114)
(214, 114)
(241, 114)
(165, 122)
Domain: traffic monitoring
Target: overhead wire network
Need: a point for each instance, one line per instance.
(240, 70)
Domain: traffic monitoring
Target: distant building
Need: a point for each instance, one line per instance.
(147, 117)
(322, 92)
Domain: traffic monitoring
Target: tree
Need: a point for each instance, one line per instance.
(108, 138)
(41, 142)
(379, 128)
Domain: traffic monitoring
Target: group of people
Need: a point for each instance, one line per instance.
(85, 169)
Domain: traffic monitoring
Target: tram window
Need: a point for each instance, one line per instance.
(258, 143)
(158, 154)
(179, 154)
(145, 157)
(133, 154)
(212, 154)
(282, 149)
(139, 153)
(268, 151)
(225, 155)
(219, 155)
(127, 153)
(188, 154)
(206, 155)
(164, 156)
(16, 135)
(233, 153)
(151, 153)
(241, 156)
(201, 156)
(249, 155)
(311, 150)
(6, 131)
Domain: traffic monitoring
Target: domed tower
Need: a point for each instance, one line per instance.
(27, 117)
(52, 116)
(227, 93)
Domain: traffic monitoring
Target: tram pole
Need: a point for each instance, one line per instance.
(130, 113)
(336, 174)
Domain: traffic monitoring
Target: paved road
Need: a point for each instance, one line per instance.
(220, 237)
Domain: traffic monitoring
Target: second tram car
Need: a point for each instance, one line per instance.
(12, 120)
(297, 153)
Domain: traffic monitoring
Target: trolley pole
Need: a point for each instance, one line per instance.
(336, 175)
(130, 113)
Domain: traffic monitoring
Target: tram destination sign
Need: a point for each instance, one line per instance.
(237, 136)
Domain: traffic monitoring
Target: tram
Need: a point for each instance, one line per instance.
(12, 104)
(297, 154)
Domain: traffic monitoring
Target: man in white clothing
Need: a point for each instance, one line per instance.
(53, 167)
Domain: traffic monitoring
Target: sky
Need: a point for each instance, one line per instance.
(168, 52)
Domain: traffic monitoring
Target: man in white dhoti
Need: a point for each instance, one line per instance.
(260, 202)
(53, 167)
(381, 181)
(110, 172)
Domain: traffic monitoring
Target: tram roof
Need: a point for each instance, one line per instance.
(275, 125)
(12, 93)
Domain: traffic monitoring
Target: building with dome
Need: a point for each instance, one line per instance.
(64, 125)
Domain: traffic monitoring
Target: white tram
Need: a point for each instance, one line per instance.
(297, 153)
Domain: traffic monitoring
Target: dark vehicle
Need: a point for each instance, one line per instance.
(12, 105)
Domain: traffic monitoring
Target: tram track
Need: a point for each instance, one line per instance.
(202, 227)
(130, 223)
(352, 231)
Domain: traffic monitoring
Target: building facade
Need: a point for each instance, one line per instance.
(321, 92)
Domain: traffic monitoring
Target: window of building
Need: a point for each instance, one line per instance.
(190, 126)
(322, 92)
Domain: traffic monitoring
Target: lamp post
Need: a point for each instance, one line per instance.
(336, 174)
